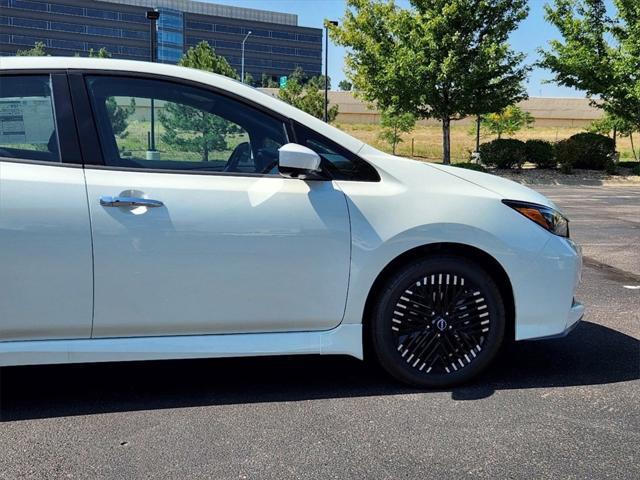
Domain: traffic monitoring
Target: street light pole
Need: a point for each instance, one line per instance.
(152, 16)
(326, 67)
(242, 67)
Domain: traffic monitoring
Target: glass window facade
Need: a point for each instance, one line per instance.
(67, 27)
(27, 5)
(170, 36)
(105, 31)
(67, 9)
(106, 14)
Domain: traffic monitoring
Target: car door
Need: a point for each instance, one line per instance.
(194, 231)
(46, 288)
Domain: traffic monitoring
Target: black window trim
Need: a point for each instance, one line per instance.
(88, 153)
(297, 127)
(69, 154)
(82, 105)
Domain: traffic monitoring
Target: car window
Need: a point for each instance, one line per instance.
(155, 124)
(27, 121)
(337, 161)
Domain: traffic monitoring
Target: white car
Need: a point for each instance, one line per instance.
(150, 211)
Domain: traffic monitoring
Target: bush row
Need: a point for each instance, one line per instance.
(582, 150)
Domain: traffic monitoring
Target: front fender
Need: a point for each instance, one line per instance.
(395, 216)
(368, 261)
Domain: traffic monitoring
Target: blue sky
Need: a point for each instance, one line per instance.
(532, 33)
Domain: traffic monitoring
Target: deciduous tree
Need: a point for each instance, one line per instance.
(203, 57)
(394, 125)
(248, 79)
(345, 85)
(118, 115)
(38, 50)
(437, 59)
(598, 53)
(191, 129)
(613, 125)
(507, 121)
(267, 82)
(307, 94)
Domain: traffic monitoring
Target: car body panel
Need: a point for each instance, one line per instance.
(225, 254)
(464, 213)
(46, 288)
(506, 189)
(142, 260)
(342, 340)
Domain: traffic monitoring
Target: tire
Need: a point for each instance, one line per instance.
(438, 323)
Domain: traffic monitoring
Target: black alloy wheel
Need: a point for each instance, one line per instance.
(439, 322)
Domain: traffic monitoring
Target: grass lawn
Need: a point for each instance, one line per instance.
(428, 140)
(134, 144)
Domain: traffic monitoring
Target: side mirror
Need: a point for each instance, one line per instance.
(294, 160)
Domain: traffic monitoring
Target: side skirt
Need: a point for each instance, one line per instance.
(342, 340)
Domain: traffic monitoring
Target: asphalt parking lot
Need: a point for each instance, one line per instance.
(565, 408)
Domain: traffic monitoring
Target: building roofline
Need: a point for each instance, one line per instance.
(204, 8)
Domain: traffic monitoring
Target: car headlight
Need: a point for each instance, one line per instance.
(546, 217)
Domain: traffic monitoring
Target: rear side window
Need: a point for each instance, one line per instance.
(27, 121)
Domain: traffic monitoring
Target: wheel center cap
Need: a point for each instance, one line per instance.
(441, 324)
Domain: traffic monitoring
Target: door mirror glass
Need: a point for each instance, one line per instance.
(296, 159)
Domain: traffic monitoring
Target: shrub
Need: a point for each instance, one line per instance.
(585, 150)
(470, 166)
(635, 170)
(541, 152)
(503, 153)
(628, 164)
(565, 168)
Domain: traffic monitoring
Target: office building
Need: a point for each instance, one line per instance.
(276, 46)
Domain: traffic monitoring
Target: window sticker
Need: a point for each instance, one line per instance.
(25, 120)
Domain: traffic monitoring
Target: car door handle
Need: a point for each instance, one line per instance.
(107, 201)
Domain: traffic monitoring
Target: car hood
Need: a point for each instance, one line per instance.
(408, 171)
(507, 189)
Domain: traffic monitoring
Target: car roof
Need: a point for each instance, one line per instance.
(183, 73)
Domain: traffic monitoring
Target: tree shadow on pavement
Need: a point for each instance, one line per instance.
(591, 355)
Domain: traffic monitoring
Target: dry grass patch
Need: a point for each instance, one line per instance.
(428, 140)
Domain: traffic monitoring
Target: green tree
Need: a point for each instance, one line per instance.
(598, 54)
(38, 50)
(394, 125)
(307, 94)
(268, 82)
(625, 101)
(435, 59)
(102, 53)
(203, 57)
(248, 79)
(612, 125)
(345, 85)
(119, 116)
(506, 122)
(191, 129)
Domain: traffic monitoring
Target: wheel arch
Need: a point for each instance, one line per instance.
(486, 261)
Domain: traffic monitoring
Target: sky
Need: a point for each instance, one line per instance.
(534, 32)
